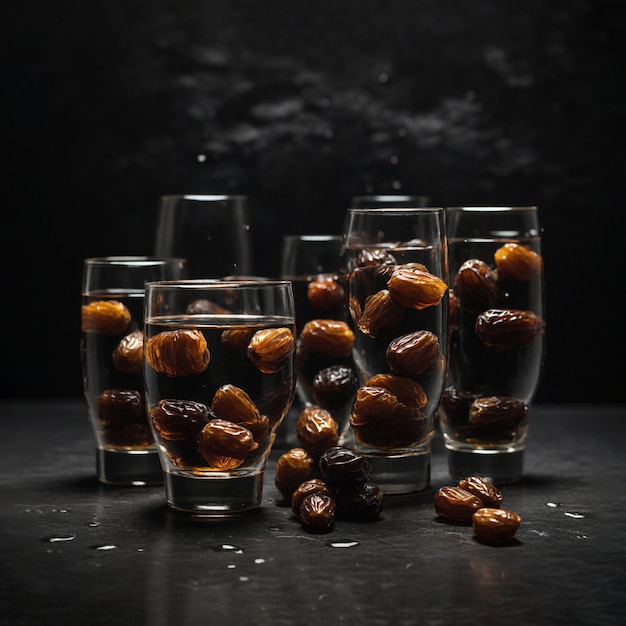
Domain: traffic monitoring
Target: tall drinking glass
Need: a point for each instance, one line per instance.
(211, 231)
(112, 364)
(496, 341)
(398, 301)
(325, 375)
(219, 377)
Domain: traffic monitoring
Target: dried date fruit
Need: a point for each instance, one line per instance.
(330, 337)
(508, 328)
(324, 295)
(317, 512)
(237, 339)
(372, 404)
(498, 412)
(202, 306)
(334, 385)
(416, 289)
(340, 466)
(132, 435)
(369, 257)
(115, 406)
(404, 426)
(488, 493)
(220, 440)
(316, 430)
(127, 356)
(412, 354)
(308, 487)
(476, 285)
(456, 504)
(107, 317)
(495, 526)
(381, 315)
(235, 405)
(293, 468)
(271, 348)
(179, 420)
(515, 261)
(178, 352)
(405, 389)
(362, 501)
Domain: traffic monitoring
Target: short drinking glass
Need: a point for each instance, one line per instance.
(497, 331)
(220, 377)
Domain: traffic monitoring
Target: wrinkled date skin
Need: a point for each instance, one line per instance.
(456, 505)
(225, 445)
(381, 315)
(361, 501)
(495, 526)
(508, 329)
(488, 493)
(117, 406)
(496, 412)
(415, 288)
(235, 405)
(292, 469)
(316, 430)
(517, 262)
(334, 385)
(308, 487)
(317, 512)
(325, 295)
(413, 354)
(331, 337)
(476, 285)
(340, 465)
(108, 317)
(179, 420)
(270, 349)
(128, 354)
(178, 352)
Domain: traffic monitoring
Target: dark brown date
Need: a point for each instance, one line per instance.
(308, 487)
(316, 430)
(508, 329)
(412, 354)
(476, 286)
(381, 315)
(117, 406)
(488, 493)
(362, 502)
(317, 512)
(456, 505)
(178, 352)
(340, 466)
(292, 469)
(179, 420)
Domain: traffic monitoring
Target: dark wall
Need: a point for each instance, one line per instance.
(300, 105)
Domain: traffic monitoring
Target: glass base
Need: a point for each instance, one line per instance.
(129, 467)
(401, 474)
(498, 466)
(217, 495)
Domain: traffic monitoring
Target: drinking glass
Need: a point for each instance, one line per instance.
(211, 231)
(398, 302)
(112, 364)
(389, 201)
(496, 339)
(325, 375)
(219, 378)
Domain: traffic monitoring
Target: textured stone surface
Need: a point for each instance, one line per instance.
(301, 106)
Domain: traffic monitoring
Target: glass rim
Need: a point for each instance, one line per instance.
(211, 283)
(494, 209)
(396, 210)
(321, 237)
(203, 197)
(389, 196)
(135, 260)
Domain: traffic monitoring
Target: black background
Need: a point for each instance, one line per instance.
(300, 105)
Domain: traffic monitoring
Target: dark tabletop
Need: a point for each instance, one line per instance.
(73, 551)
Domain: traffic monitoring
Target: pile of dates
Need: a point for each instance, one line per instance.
(477, 502)
(324, 481)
